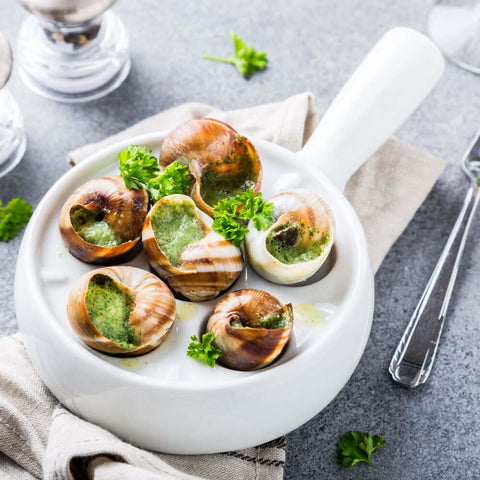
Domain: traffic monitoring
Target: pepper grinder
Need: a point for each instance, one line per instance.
(13, 140)
(73, 50)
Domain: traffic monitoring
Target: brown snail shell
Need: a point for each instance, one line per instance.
(252, 346)
(211, 146)
(151, 317)
(205, 267)
(122, 208)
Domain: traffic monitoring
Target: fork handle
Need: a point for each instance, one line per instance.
(413, 359)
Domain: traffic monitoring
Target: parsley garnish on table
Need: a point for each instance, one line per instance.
(231, 215)
(140, 169)
(355, 447)
(204, 351)
(13, 217)
(245, 58)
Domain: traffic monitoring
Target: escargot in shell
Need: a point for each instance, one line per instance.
(299, 241)
(121, 310)
(101, 222)
(222, 162)
(182, 248)
(251, 328)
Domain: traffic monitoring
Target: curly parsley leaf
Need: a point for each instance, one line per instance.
(231, 215)
(13, 217)
(174, 179)
(246, 58)
(140, 169)
(137, 166)
(204, 351)
(355, 447)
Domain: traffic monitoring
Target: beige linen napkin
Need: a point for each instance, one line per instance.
(38, 435)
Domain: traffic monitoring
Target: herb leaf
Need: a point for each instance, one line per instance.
(246, 58)
(355, 447)
(140, 169)
(204, 351)
(174, 179)
(13, 217)
(137, 166)
(231, 215)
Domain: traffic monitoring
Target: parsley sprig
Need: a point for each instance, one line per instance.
(231, 215)
(174, 179)
(355, 447)
(140, 169)
(137, 166)
(13, 217)
(246, 58)
(204, 351)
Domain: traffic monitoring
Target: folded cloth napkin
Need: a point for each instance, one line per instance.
(41, 438)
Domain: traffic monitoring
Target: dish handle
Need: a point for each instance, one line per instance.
(390, 83)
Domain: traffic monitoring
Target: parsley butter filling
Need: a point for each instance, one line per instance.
(216, 186)
(175, 226)
(292, 243)
(271, 321)
(109, 309)
(92, 227)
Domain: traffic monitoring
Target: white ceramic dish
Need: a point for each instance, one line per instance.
(168, 402)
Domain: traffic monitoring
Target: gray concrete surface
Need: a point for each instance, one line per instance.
(431, 432)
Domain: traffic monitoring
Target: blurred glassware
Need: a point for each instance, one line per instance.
(73, 50)
(454, 25)
(12, 136)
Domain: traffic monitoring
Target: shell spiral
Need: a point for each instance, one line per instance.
(205, 267)
(123, 209)
(250, 346)
(151, 317)
(210, 146)
(302, 219)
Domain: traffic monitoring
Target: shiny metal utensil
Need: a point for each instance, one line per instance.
(413, 359)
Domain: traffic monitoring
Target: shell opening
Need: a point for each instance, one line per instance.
(222, 180)
(93, 228)
(294, 242)
(109, 308)
(176, 226)
(282, 317)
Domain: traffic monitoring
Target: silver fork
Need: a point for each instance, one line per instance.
(413, 359)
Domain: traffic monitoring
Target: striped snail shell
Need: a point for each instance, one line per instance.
(251, 328)
(299, 241)
(101, 222)
(222, 162)
(123, 311)
(182, 248)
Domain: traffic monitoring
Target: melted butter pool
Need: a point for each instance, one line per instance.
(186, 310)
(308, 315)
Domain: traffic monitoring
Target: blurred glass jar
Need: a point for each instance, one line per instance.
(67, 11)
(12, 135)
(73, 50)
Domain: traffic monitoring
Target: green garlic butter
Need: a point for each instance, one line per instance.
(271, 321)
(175, 226)
(93, 228)
(108, 309)
(216, 187)
(289, 244)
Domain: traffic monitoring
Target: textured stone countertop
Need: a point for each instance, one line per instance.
(432, 432)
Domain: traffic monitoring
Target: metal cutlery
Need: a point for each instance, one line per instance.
(413, 359)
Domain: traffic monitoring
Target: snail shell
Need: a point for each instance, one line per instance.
(222, 162)
(151, 309)
(236, 323)
(205, 267)
(297, 243)
(121, 210)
